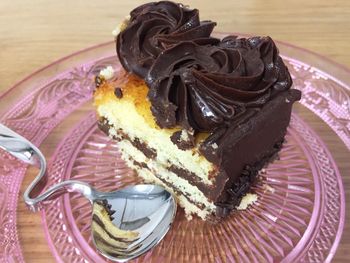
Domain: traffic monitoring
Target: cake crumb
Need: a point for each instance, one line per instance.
(118, 93)
(184, 135)
(247, 200)
(112, 133)
(189, 217)
(107, 72)
(214, 146)
(99, 80)
(121, 26)
(268, 188)
(262, 171)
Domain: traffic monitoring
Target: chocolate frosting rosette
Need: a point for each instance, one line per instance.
(205, 87)
(198, 82)
(156, 26)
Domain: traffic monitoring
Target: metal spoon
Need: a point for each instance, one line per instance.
(125, 224)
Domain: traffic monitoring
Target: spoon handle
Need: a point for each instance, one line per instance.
(24, 150)
(18, 146)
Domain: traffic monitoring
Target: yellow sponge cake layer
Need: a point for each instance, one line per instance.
(124, 109)
(188, 196)
(131, 113)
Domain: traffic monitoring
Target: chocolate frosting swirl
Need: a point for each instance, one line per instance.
(195, 81)
(156, 26)
(211, 86)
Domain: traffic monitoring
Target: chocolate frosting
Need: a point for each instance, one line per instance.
(205, 87)
(197, 82)
(156, 26)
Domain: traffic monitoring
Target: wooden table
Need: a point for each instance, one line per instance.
(35, 33)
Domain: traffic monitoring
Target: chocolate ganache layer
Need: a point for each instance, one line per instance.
(156, 26)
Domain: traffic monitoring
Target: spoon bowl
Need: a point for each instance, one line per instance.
(141, 215)
(124, 224)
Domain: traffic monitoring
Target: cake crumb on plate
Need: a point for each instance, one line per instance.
(247, 200)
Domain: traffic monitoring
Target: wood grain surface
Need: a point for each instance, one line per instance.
(35, 33)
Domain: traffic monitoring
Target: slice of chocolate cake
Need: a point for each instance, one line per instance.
(198, 115)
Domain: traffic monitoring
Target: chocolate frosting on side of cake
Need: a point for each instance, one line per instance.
(251, 146)
(156, 26)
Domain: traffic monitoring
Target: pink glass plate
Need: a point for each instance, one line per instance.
(300, 211)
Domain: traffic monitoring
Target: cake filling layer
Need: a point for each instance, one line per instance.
(189, 207)
(123, 114)
(167, 184)
(151, 154)
(190, 192)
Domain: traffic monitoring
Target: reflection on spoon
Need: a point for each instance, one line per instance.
(107, 236)
(128, 222)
